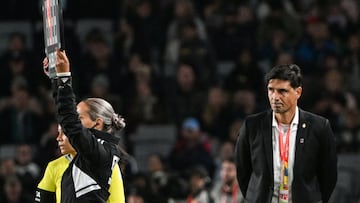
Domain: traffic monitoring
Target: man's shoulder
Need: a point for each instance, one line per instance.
(311, 117)
(258, 116)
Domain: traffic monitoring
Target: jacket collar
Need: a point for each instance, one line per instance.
(105, 136)
(301, 138)
(294, 121)
(266, 125)
(303, 126)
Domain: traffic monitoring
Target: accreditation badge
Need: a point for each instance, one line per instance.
(284, 185)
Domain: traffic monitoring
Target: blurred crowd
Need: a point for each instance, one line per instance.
(195, 64)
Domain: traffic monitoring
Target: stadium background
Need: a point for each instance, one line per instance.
(160, 62)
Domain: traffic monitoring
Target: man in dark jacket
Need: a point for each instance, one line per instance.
(286, 154)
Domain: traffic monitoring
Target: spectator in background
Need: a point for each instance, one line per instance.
(331, 101)
(332, 61)
(145, 107)
(100, 87)
(124, 41)
(14, 67)
(315, 44)
(14, 191)
(17, 45)
(214, 115)
(146, 29)
(139, 70)
(177, 188)
(7, 169)
(226, 189)
(224, 152)
(48, 147)
(234, 129)
(198, 185)
(352, 62)
(350, 9)
(26, 169)
(21, 115)
(158, 178)
(138, 188)
(213, 16)
(143, 87)
(191, 48)
(245, 74)
(348, 136)
(337, 21)
(184, 95)
(269, 52)
(192, 148)
(183, 10)
(97, 59)
(135, 195)
(18, 60)
(284, 58)
(279, 18)
(234, 31)
(243, 103)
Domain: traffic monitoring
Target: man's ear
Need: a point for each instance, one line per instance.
(298, 92)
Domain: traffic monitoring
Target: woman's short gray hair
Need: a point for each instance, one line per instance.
(99, 108)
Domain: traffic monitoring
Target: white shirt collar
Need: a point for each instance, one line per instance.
(295, 120)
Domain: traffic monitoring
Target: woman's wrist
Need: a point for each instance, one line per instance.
(63, 74)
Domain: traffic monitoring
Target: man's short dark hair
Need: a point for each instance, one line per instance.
(230, 159)
(291, 73)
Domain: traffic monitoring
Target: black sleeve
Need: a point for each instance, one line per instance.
(327, 172)
(54, 88)
(43, 196)
(243, 159)
(82, 139)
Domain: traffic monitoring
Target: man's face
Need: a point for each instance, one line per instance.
(228, 172)
(64, 144)
(282, 96)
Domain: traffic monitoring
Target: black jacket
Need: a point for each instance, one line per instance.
(315, 164)
(88, 176)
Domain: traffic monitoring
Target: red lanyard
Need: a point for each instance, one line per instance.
(234, 192)
(284, 148)
(189, 199)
